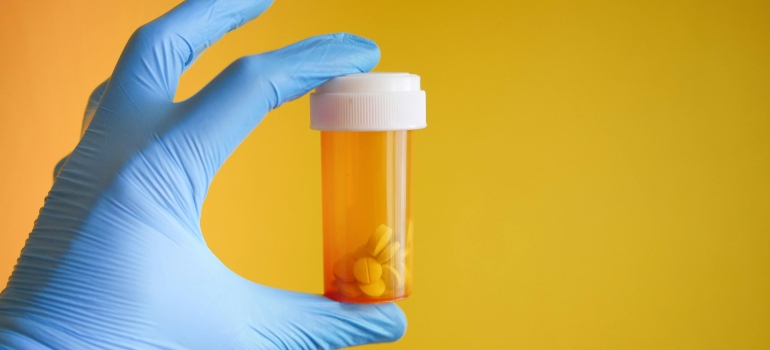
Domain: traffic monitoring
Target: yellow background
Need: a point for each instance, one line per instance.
(595, 174)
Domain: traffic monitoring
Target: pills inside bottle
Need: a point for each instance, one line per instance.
(366, 122)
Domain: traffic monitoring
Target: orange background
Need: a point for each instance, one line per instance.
(595, 174)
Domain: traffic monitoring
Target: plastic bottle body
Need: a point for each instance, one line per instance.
(368, 232)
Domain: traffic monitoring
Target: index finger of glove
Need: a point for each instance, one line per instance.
(158, 52)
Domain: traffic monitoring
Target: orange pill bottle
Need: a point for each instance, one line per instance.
(366, 122)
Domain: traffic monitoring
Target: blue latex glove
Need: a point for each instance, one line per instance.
(116, 258)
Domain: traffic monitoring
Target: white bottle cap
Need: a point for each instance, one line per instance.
(369, 102)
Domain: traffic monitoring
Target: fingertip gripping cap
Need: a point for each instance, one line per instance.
(369, 102)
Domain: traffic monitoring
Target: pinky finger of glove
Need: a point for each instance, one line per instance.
(93, 102)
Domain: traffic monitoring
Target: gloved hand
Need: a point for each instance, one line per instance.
(116, 258)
